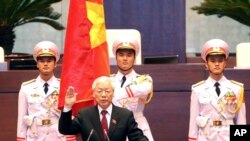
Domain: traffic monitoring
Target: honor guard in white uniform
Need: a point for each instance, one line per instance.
(132, 91)
(37, 101)
(216, 103)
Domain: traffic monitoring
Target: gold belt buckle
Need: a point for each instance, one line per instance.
(217, 122)
(46, 122)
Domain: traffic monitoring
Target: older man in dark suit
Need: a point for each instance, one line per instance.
(115, 125)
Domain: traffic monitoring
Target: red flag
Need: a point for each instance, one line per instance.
(86, 51)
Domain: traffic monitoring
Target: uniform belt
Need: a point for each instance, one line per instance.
(45, 121)
(217, 123)
(221, 122)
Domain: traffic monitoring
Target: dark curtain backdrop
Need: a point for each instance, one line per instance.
(161, 23)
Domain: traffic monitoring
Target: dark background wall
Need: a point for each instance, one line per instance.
(161, 23)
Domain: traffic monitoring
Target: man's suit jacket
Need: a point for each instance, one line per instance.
(122, 124)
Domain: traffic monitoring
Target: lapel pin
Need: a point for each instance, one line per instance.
(114, 121)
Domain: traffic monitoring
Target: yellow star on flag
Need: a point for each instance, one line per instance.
(95, 13)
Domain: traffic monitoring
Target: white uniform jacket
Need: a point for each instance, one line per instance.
(133, 96)
(211, 115)
(37, 112)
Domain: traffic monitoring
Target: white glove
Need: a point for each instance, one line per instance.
(28, 120)
(201, 121)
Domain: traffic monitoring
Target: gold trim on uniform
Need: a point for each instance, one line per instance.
(29, 81)
(241, 97)
(35, 95)
(237, 83)
(199, 83)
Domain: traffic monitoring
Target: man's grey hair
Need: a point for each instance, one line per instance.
(102, 79)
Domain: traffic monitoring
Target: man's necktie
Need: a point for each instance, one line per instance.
(46, 85)
(123, 80)
(217, 89)
(104, 124)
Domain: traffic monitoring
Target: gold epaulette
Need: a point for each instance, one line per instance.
(29, 81)
(237, 83)
(199, 83)
(141, 78)
(112, 75)
(142, 75)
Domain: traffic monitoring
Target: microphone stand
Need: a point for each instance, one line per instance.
(90, 134)
(105, 132)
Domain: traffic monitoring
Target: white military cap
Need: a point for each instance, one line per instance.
(46, 48)
(125, 42)
(213, 47)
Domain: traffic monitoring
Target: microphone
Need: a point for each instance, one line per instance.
(90, 134)
(105, 132)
